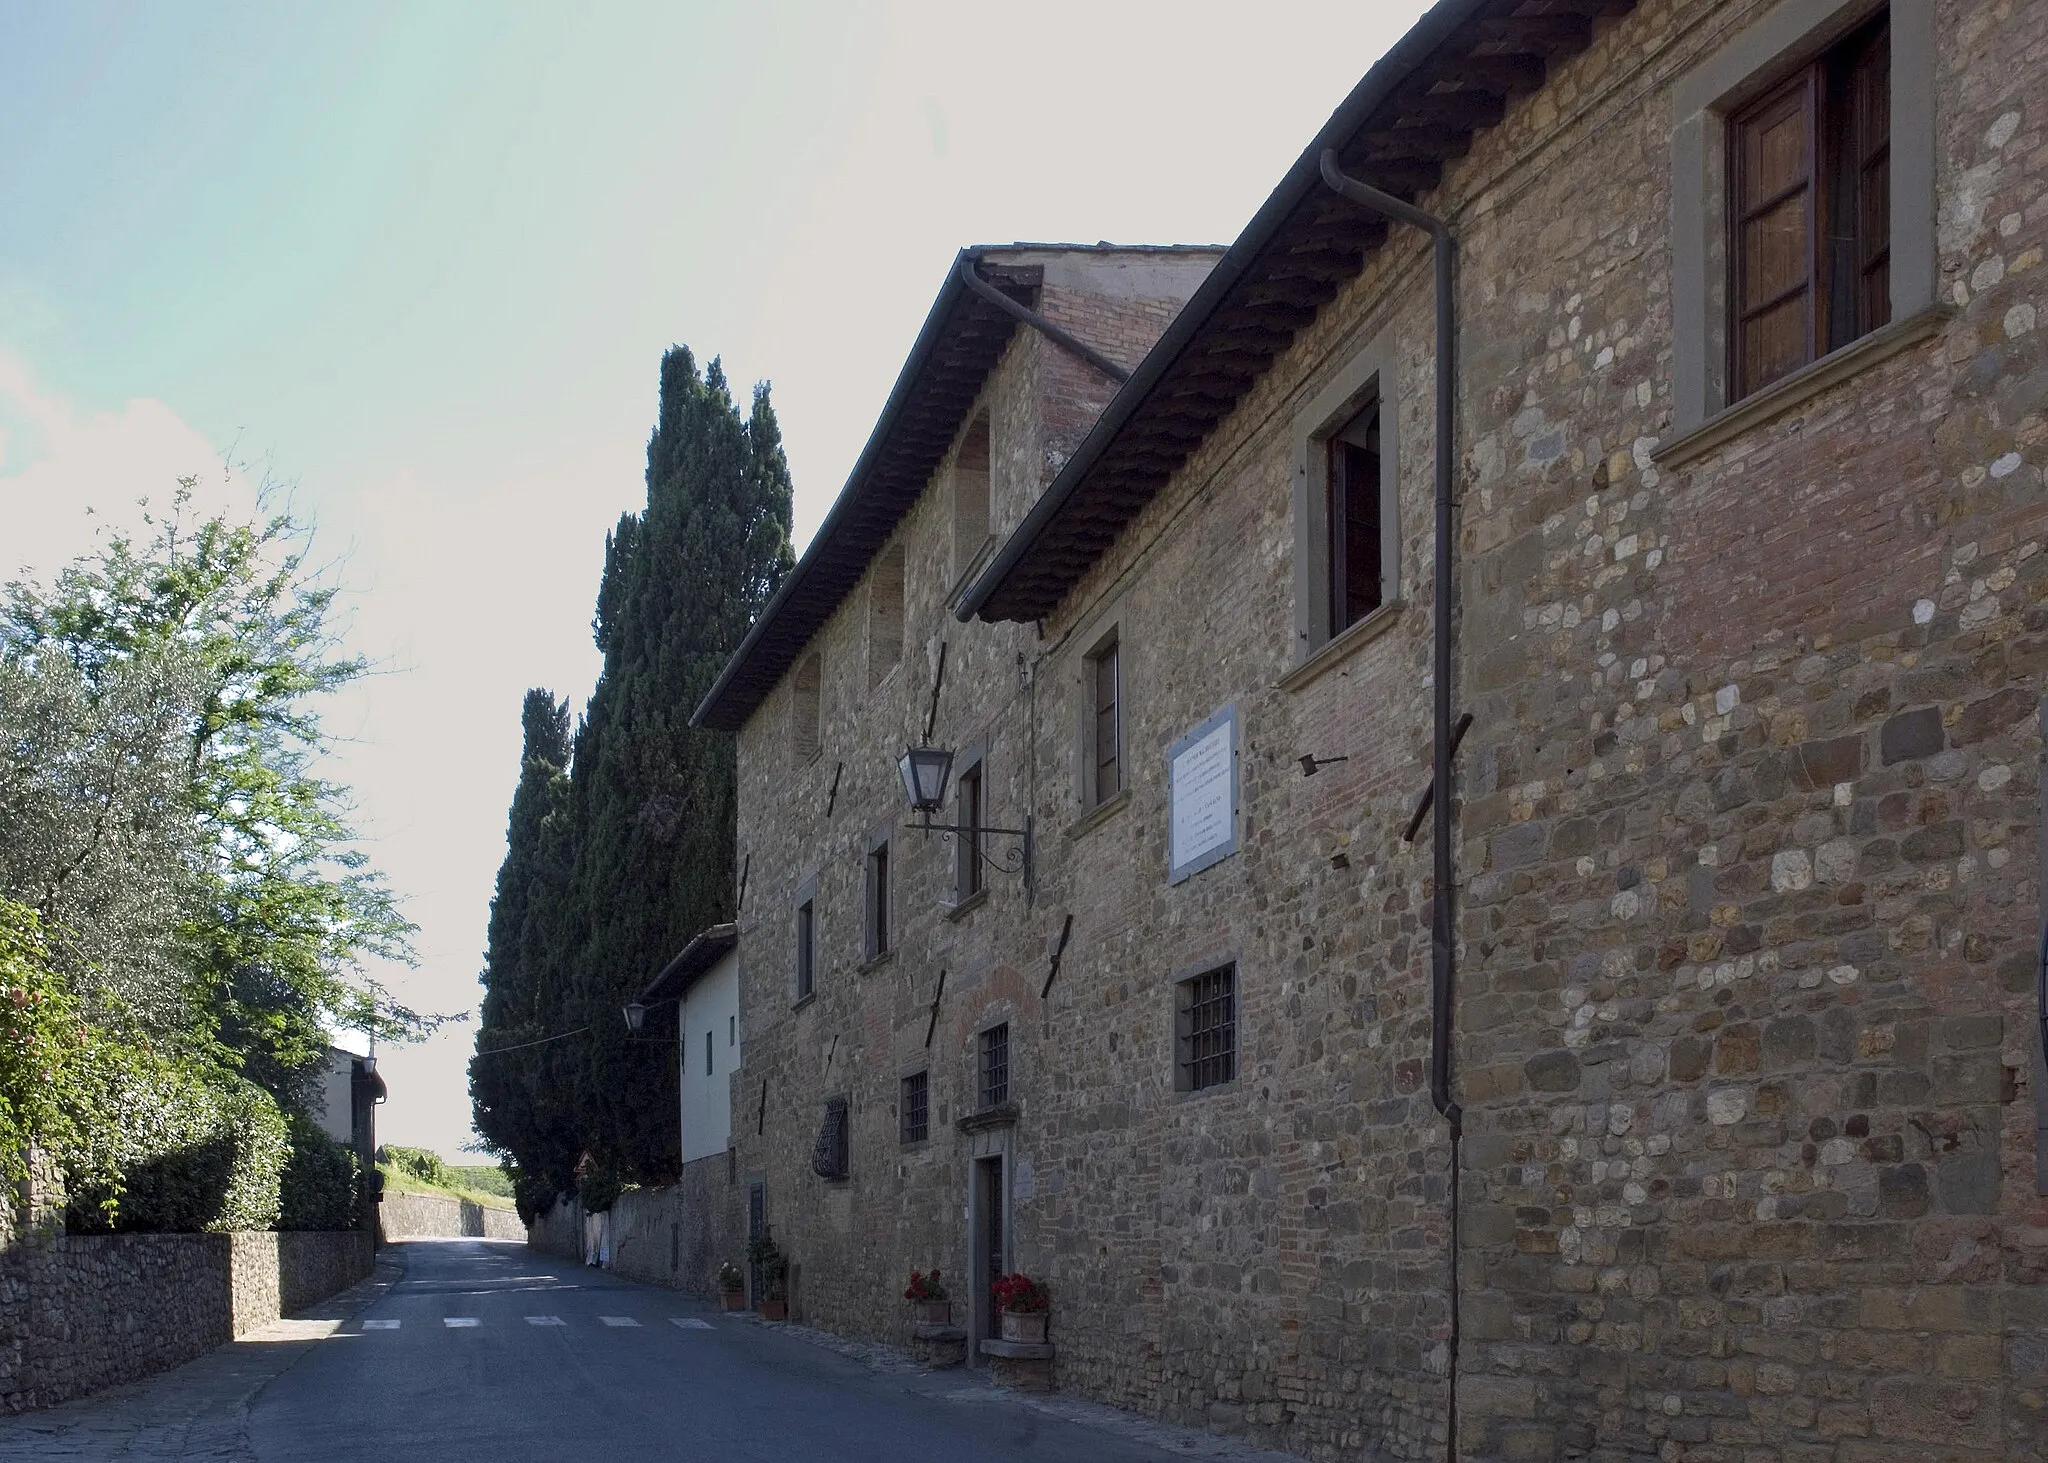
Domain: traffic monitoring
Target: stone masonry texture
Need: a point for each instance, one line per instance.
(1749, 822)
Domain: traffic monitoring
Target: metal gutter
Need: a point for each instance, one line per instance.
(1402, 60)
(1066, 340)
(848, 503)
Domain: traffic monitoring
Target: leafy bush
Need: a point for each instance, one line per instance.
(40, 1038)
(420, 1163)
(176, 1147)
(481, 1178)
(322, 1186)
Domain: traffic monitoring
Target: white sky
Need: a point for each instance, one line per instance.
(422, 263)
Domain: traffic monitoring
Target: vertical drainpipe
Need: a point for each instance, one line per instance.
(2040, 1044)
(1443, 930)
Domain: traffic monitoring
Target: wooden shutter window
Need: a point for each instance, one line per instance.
(1810, 212)
(1107, 689)
(1354, 522)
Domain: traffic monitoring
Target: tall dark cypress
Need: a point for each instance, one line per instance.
(515, 1108)
(650, 810)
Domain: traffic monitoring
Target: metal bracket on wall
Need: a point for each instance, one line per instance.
(931, 713)
(1429, 793)
(832, 797)
(933, 1025)
(761, 1117)
(1053, 974)
(740, 902)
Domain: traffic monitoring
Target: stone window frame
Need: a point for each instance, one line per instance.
(878, 900)
(1370, 377)
(903, 1081)
(1181, 985)
(887, 622)
(1108, 639)
(971, 759)
(982, 1100)
(1756, 57)
(968, 558)
(807, 721)
(803, 972)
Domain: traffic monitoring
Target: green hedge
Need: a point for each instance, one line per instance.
(323, 1181)
(421, 1163)
(179, 1147)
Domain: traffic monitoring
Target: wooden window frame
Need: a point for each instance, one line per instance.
(970, 873)
(878, 899)
(1107, 652)
(1339, 489)
(806, 933)
(1840, 157)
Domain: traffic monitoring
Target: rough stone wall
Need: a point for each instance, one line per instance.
(438, 1216)
(1749, 830)
(679, 1235)
(852, 1243)
(82, 1313)
(559, 1231)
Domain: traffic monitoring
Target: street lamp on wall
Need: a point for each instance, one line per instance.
(636, 1015)
(925, 772)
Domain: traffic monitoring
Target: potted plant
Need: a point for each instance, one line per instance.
(1023, 1304)
(768, 1261)
(732, 1282)
(927, 1296)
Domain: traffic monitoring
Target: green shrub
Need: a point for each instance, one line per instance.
(481, 1178)
(176, 1146)
(420, 1163)
(322, 1185)
(40, 1039)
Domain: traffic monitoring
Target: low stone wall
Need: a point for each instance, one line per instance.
(434, 1216)
(559, 1231)
(83, 1312)
(679, 1234)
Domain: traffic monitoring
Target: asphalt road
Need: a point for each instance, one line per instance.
(484, 1351)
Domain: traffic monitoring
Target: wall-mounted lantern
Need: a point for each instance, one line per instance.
(925, 772)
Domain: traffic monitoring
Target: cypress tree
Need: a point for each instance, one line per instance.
(516, 1108)
(646, 828)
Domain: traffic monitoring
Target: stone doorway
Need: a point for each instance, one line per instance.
(989, 1244)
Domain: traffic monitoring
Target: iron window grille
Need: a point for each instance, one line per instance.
(1207, 1018)
(994, 1086)
(916, 1121)
(830, 1158)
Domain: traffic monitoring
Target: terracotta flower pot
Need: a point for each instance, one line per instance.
(934, 1312)
(1024, 1326)
(772, 1310)
(733, 1300)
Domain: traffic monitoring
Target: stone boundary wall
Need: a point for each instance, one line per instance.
(558, 1231)
(679, 1234)
(432, 1216)
(79, 1313)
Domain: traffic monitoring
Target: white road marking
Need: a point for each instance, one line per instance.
(380, 1325)
(690, 1323)
(454, 1321)
(545, 1321)
(618, 1320)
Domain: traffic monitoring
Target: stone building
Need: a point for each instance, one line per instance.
(1729, 1146)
